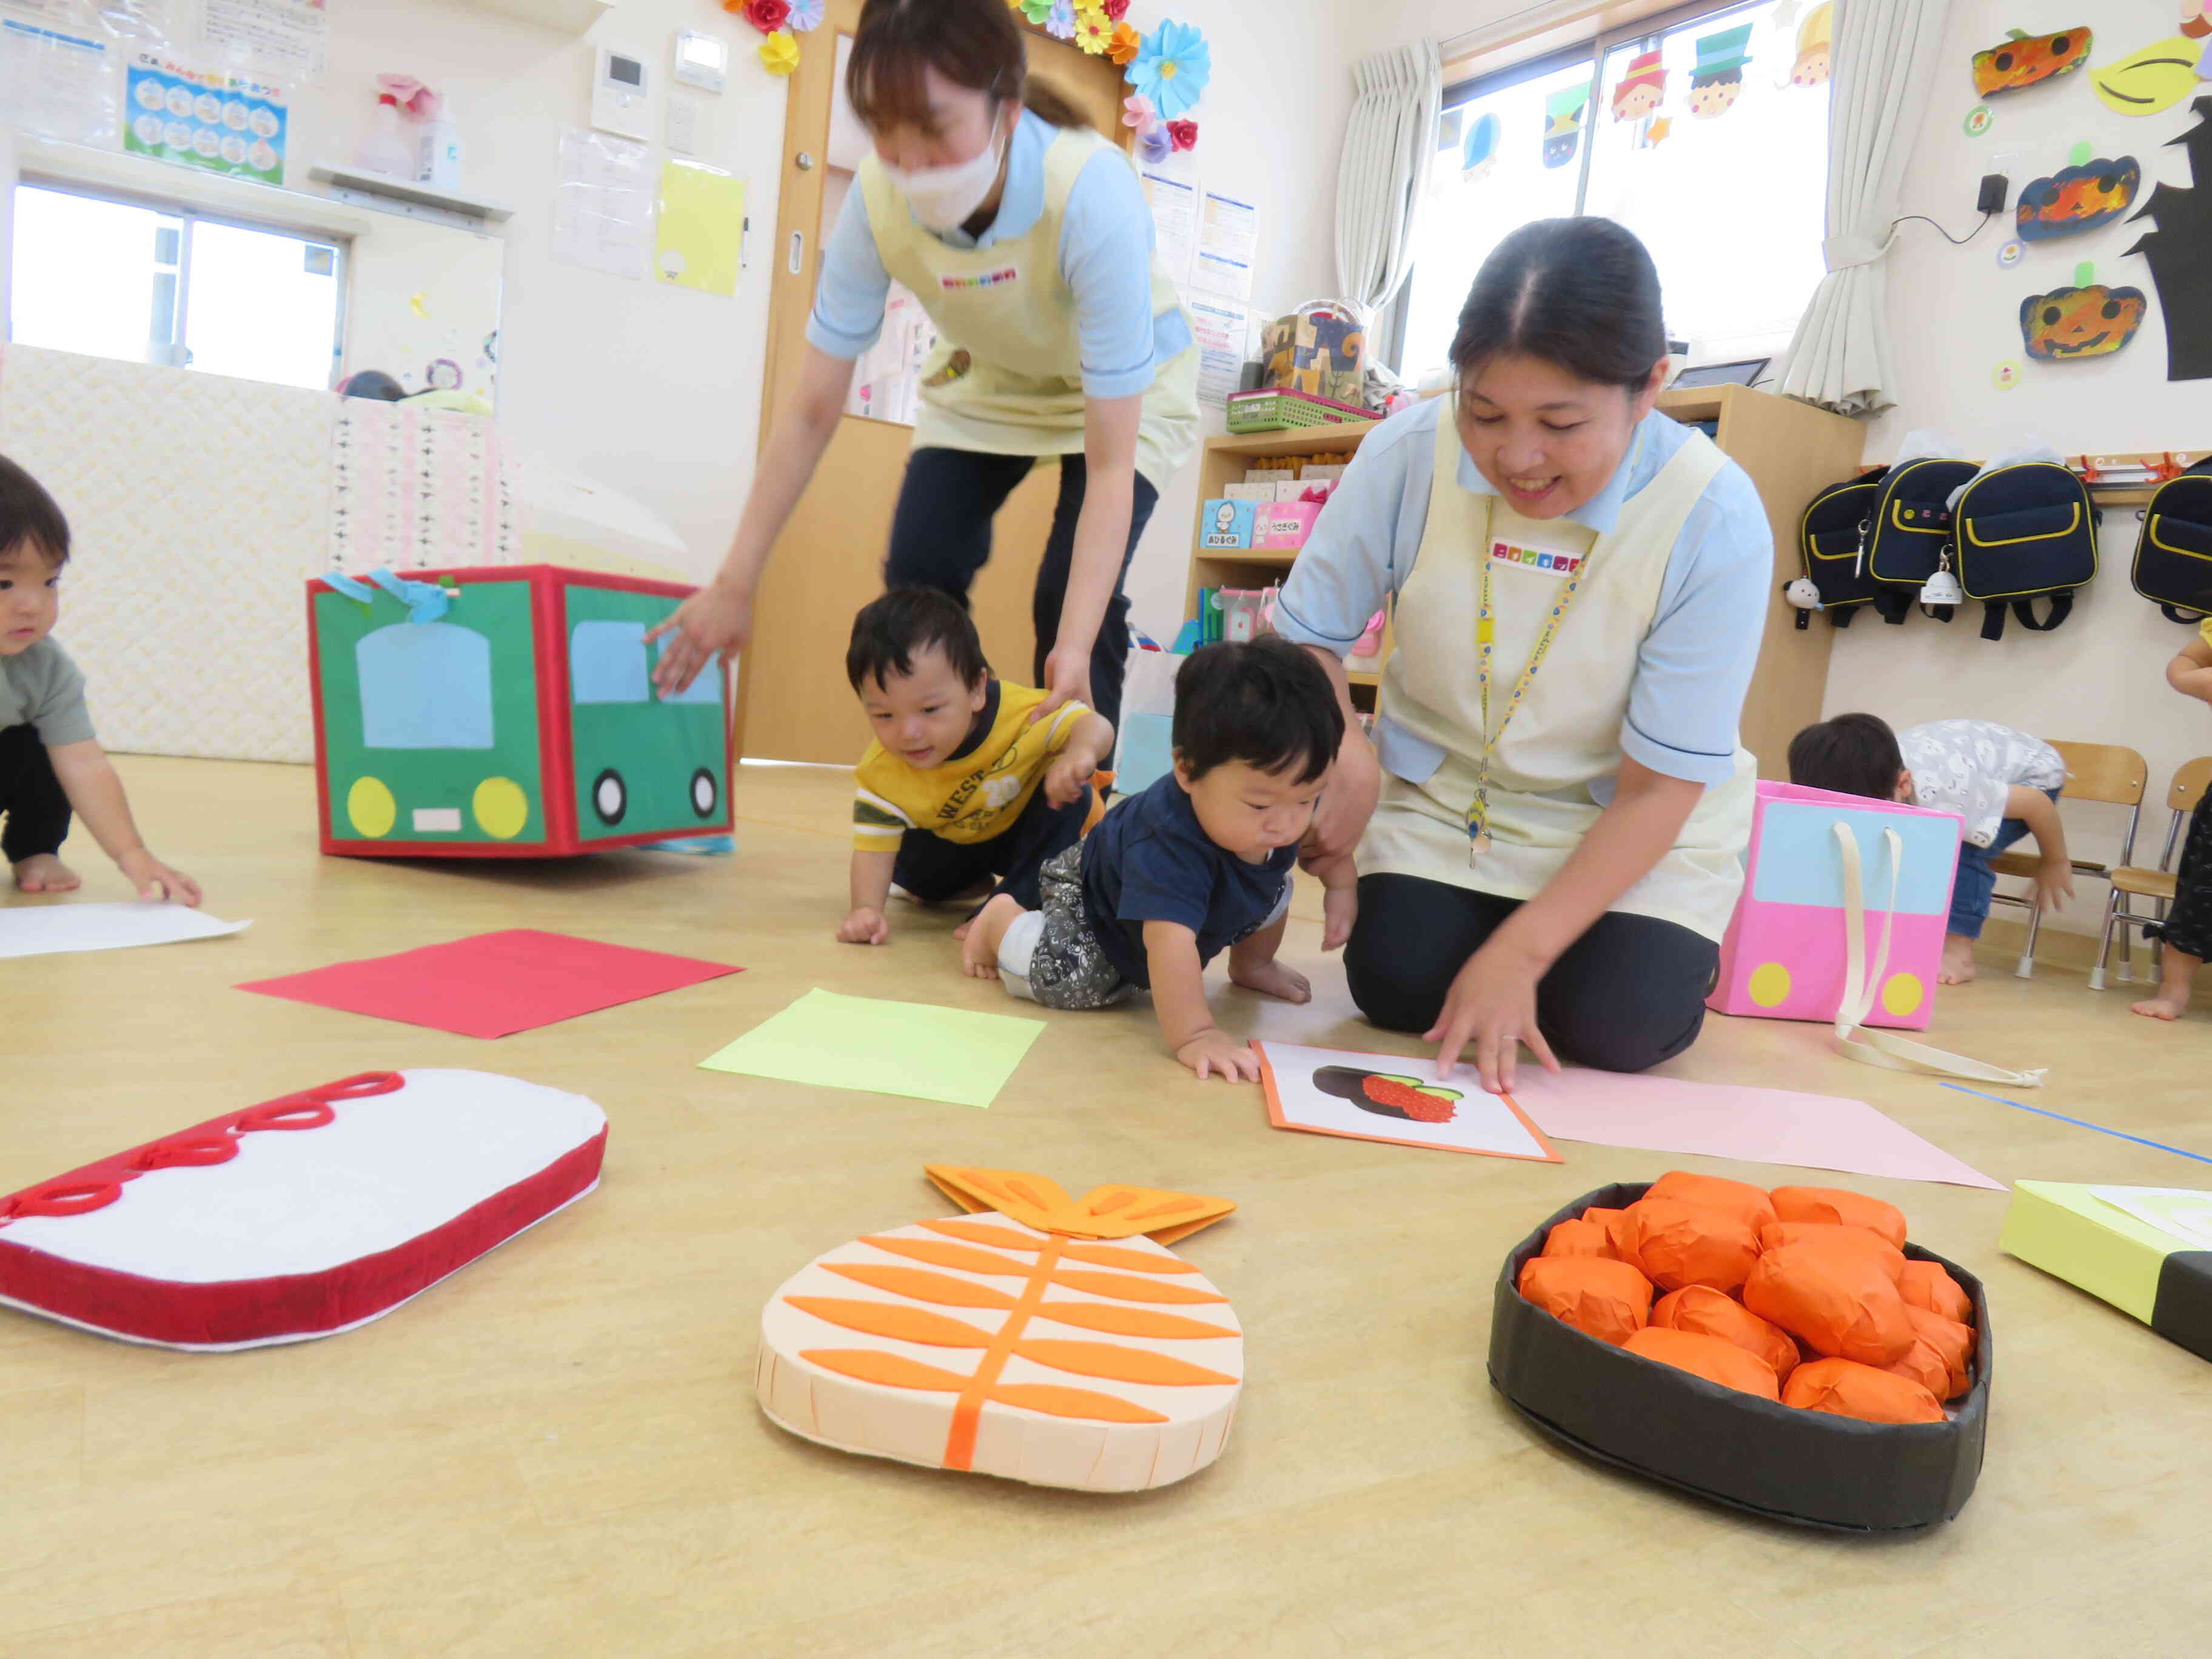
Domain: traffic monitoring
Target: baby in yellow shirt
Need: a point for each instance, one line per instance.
(962, 793)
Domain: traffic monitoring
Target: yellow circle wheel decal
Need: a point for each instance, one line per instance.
(1770, 984)
(371, 809)
(1903, 993)
(501, 808)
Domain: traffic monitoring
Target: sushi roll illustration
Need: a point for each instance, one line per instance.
(1389, 1094)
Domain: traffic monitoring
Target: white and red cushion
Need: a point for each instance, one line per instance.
(302, 1216)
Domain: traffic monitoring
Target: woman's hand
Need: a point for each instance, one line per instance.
(1492, 1004)
(718, 618)
(1067, 679)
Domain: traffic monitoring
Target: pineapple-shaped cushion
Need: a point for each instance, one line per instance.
(1047, 1338)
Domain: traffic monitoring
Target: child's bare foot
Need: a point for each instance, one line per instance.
(979, 949)
(2167, 1004)
(1958, 960)
(42, 872)
(1272, 979)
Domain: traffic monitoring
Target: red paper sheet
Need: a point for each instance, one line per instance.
(493, 985)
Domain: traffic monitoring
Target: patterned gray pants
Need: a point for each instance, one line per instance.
(1050, 955)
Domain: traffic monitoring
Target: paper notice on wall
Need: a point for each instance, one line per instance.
(702, 228)
(1175, 220)
(1220, 328)
(1228, 237)
(196, 118)
(286, 38)
(56, 83)
(602, 205)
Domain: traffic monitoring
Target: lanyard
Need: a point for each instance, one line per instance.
(1485, 636)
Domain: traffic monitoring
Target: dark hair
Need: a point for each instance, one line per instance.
(972, 43)
(372, 383)
(28, 514)
(1267, 703)
(1580, 294)
(1731, 77)
(1851, 755)
(890, 633)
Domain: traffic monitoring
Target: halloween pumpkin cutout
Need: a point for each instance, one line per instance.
(2069, 323)
(1389, 1094)
(1047, 1338)
(2078, 199)
(2024, 60)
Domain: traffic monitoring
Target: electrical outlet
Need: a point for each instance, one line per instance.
(1995, 188)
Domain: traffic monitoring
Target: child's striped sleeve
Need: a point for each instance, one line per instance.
(877, 823)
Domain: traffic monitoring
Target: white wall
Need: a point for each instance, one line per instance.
(1953, 316)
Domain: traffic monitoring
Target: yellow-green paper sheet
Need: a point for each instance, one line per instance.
(702, 228)
(911, 1049)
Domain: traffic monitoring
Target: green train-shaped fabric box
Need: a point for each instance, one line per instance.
(2161, 1273)
(517, 719)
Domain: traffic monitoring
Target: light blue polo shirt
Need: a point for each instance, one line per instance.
(1105, 259)
(1693, 666)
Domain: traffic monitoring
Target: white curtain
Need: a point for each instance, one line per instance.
(1887, 54)
(1384, 174)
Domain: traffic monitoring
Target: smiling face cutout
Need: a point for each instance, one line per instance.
(2069, 323)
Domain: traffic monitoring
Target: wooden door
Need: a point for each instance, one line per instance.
(794, 703)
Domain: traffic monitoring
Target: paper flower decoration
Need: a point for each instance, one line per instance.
(1115, 11)
(766, 15)
(1125, 45)
(779, 54)
(1184, 134)
(1060, 21)
(1037, 10)
(1137, 112)
(806, 16)
(1153, 143)
(1172, 68)
(408, 94)
(1093, 33)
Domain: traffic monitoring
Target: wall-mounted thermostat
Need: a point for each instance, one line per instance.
(622, 95)
(703, 60)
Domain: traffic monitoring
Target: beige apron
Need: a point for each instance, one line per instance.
(1559, 757)
(1006, 378)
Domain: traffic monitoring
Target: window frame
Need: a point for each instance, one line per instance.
(1513, 70)
(178, 353)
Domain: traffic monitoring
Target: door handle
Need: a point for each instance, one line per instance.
(796, 261)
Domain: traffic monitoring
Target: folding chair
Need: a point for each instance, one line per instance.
(2157, 885)
(2102, 772)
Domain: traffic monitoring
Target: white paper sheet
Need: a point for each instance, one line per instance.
(1221, 328)
(52, 929)
(1228, 241)
(1175, 218)
(2184, 1214)
(1323, 1092)
(287, 39)
(57, 82)
(603, 209)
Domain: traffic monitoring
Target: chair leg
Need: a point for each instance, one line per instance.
(2026, 968)
(2105, 939)
(2127, 948)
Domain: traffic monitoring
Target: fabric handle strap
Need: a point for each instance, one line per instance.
(1855, 1039)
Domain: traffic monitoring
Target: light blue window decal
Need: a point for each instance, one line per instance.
(425, 685)
(606, 663)
(708, 688)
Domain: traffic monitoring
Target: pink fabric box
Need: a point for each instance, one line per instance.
(1783, 956)
(1285, 525)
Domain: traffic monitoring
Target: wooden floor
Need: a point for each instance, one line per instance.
(557, 1452)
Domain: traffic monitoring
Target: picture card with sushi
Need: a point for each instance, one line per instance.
(1393, 1098)
(493, 985)
(917, 1049)
(300, 1217)
(1039, 1337)
(44, 930)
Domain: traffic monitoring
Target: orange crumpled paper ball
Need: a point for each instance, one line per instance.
(1834, 1236)
(1709, 1312)
(1713, 1357)
(1677, 1244)
(1953, 1342)
(1608, 1300)
(1925, 1285)
(1834, 1204)
(1610, 1220)
(1850, 1389)
(1840, 1306)
(1579, 1239)
(1747, 1203)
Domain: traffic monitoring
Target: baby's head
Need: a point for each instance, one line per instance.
(919, 669)
(1850, 755)
(34, 545)
(1256, 729)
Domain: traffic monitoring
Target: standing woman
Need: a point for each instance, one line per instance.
(1580, 584)
(1026, 237)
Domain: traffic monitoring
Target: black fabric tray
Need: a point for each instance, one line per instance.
(1812, 1468)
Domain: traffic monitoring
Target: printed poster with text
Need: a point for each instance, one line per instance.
(227, 123)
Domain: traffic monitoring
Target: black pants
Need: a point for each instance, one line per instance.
(31, 797)
(941, 536)
(1628, 995)
(931, 867)
(2188, 925)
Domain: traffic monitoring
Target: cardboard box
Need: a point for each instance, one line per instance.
(2158, 1277)
(1267, 492)
(1809, 1468)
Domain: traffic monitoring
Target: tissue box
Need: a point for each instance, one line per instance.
(1228, 524)
(2163, 1278)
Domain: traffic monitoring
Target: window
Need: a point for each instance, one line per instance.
(1723, 173)
(151, 284)
(424, 685)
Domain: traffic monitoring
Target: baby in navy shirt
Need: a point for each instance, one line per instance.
(1197, 864)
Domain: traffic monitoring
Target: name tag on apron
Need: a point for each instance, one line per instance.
(1543, 560)
(976, 284)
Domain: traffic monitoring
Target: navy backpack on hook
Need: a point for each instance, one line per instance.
(2173, 556)
(1832, 541)
(1912, 532)
(2023, 534)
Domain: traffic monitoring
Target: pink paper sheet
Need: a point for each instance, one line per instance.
(1756, 1125)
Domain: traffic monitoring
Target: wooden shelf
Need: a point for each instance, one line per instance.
(1272, 558)
(1296, 440)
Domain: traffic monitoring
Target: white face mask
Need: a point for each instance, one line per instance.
(943, 198)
